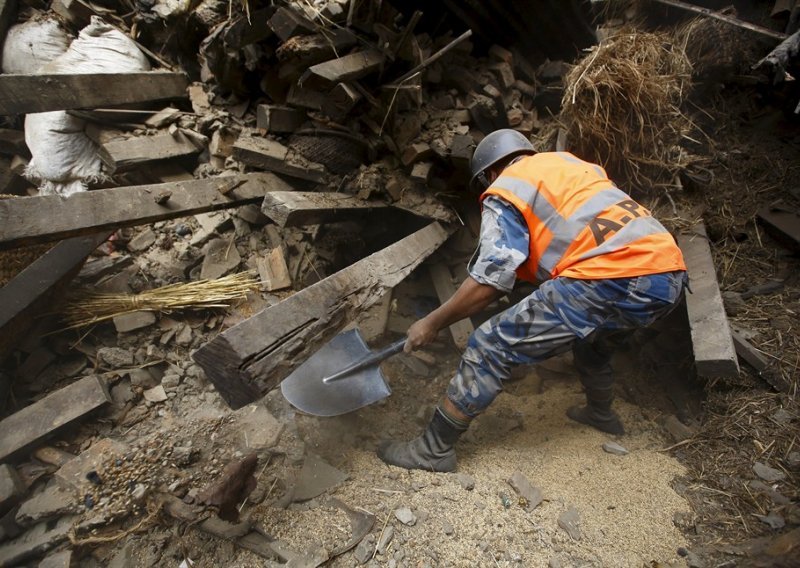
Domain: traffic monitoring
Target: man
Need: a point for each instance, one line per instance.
(605, 267)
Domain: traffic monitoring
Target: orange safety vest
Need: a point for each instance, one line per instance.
(580, 224)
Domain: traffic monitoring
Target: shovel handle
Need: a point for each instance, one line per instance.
(368, 361)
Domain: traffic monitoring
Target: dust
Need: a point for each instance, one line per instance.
(625, 503)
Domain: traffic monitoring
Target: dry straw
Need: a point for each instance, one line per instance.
(622, 107)
(92, 308)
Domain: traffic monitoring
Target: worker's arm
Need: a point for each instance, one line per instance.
(470, 298)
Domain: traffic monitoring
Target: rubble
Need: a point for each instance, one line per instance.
(331, 133)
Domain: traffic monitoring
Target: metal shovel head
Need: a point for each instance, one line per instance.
(306, 390)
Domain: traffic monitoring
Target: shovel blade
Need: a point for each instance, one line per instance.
(306, 390)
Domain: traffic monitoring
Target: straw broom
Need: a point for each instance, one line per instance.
(93, 308)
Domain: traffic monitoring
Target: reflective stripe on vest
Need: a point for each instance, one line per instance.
(606, 222)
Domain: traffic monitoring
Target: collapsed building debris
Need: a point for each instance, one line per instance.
(325, 146)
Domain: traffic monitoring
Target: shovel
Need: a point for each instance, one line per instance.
(341, 377)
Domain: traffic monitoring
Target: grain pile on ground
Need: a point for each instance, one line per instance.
(622, 107)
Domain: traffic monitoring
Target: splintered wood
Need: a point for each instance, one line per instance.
(250, 359)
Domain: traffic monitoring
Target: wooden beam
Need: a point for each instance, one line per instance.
(38, 219)
(128, 153)
(723, 18)
(443, 283)
(273, 156)
(296, 209)
(31, 292)
(348, 68)
(23, 94)
(714, 353)
(248, 360)
(34, 423)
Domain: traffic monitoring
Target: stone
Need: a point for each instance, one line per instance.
(316, 477)
(466, 481)
(405, 516)
(135, 320)
(221, 257)
(170, 381)
(155, 394)
(773, 519)
(532, 496)
(115, 357)
(184, 336)
(447, 527)
(61, 559)
(767, 473)
(569, 521)
(11, 487)
(142, 378)
(52, 501)
(142, 241)
(677, 429)
(122, 393)
(257, 428)
(614, 448)
(363, 552)
(385, 539)
(72, 475)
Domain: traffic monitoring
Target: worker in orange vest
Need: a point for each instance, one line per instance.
(604, 265)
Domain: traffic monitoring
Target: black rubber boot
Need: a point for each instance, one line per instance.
(432, 451)
(597, 412)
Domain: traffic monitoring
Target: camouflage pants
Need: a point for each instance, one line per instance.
(588, 316)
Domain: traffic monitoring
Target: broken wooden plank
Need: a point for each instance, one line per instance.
(723, 18)
(443, 283)
(714, 353)
(273, 271)
(273, 156)
(296, 209)
(31, 220)
(30, 293)
(348, 68)
(23, 94)
(753, 357)
(783, 225)
(124, 154)
(34, 423)
(248, 360)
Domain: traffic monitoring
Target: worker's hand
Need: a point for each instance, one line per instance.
(421, 332)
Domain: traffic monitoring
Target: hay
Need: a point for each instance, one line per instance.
(14, 261)
(622, 107)
(92, 308)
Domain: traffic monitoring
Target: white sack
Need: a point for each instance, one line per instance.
(64, 159)
(30, 45)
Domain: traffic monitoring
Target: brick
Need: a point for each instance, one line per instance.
(277, 119)
(415, 153)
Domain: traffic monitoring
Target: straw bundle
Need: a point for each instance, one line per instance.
(622, 107)
(12, 262)
(94, 308)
